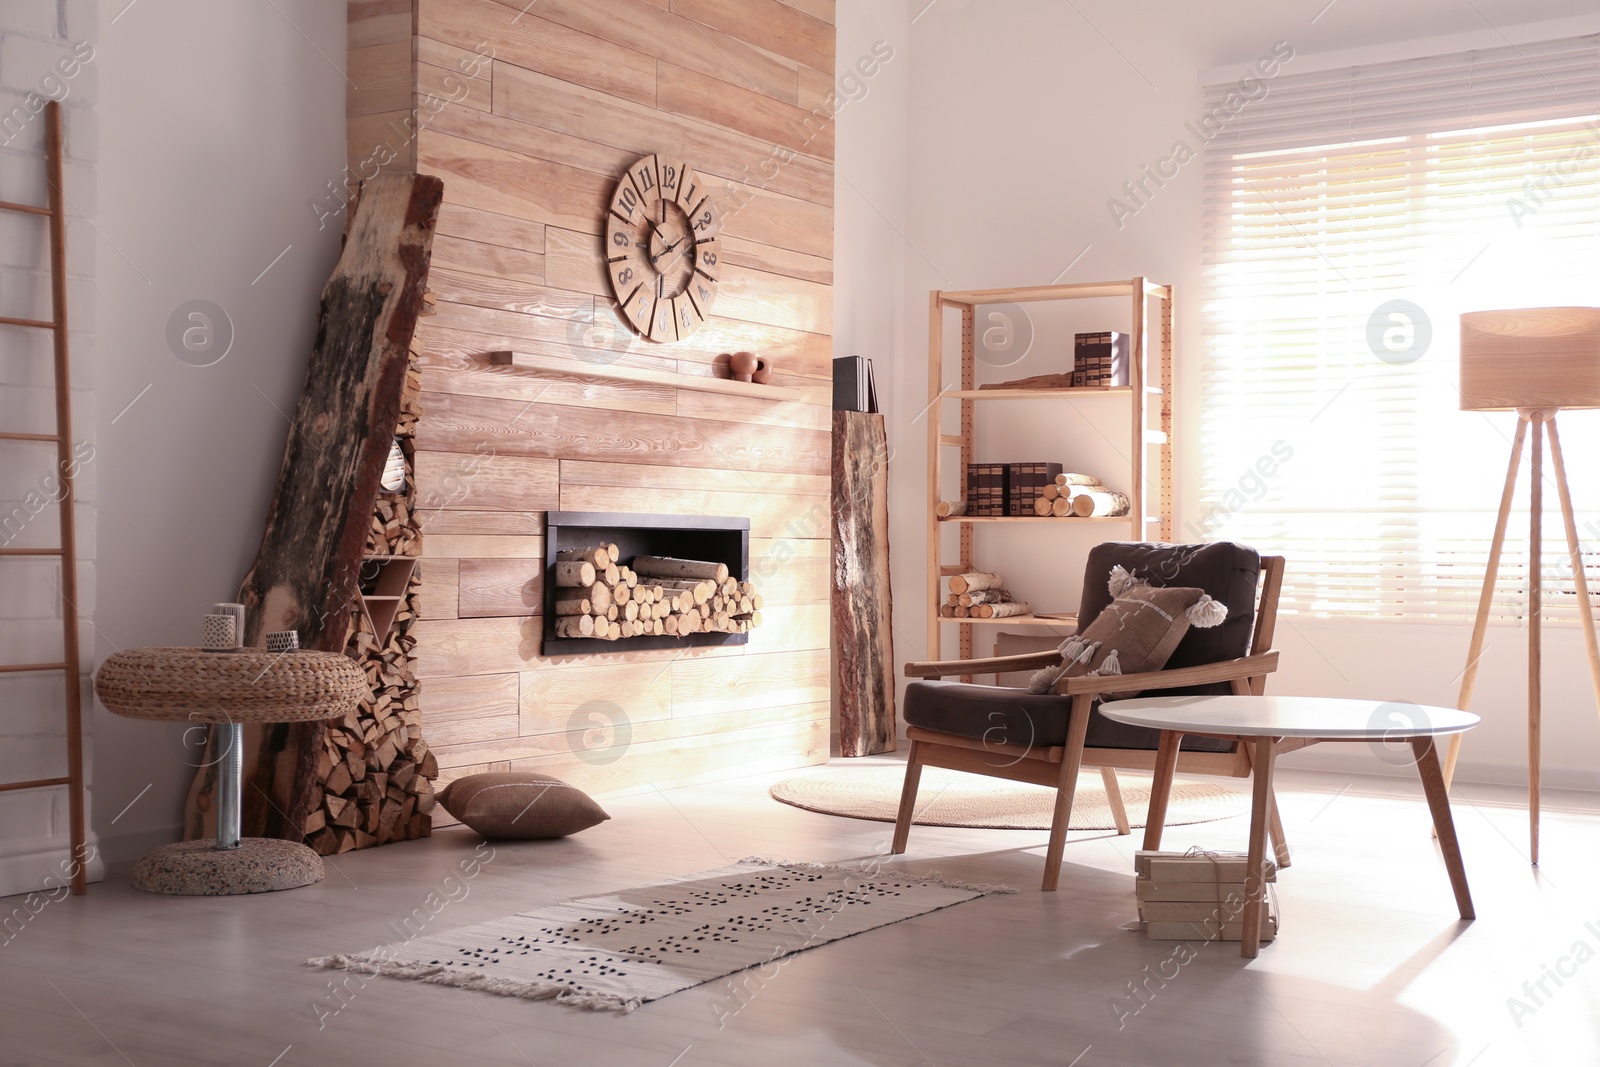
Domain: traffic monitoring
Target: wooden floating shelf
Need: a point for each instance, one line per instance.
(1069, 618)
(555, 367)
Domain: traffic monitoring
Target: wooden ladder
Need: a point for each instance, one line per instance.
(70, 663)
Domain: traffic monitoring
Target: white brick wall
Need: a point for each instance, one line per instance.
(45, 53)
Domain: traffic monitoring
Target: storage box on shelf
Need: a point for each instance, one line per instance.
(1148, 396)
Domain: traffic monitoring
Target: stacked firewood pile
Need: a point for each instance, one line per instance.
(375, 769)
(598, 597)
(1079, 496)
(981, 595)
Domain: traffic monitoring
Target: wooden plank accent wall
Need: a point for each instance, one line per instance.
(529, 114)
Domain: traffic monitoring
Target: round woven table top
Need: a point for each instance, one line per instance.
(245, 685)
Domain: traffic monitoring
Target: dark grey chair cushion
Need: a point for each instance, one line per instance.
(1000, 715)
(1228, 572)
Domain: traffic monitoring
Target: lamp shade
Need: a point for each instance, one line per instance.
(1543, 358)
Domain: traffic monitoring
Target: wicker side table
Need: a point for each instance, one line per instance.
(228, 689)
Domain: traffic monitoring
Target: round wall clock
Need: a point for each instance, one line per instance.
(661, 248)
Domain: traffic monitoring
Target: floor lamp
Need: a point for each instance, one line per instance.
(1534, 361)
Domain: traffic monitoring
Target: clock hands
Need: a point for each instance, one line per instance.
(664, 251)
(672, 249)
(666, 257)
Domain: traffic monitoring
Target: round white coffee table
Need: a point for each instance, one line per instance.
(1264, 721)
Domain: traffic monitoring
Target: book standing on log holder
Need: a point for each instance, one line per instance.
(854, 388)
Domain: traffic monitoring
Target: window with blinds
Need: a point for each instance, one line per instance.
(1350, 216)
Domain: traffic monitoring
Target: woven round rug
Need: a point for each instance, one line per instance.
(953, 798)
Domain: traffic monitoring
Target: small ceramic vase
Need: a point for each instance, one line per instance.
(741, 365)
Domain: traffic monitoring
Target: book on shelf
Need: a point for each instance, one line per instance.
(986, 489)
(1024, 484)
(1100, 359)
(1007, 489)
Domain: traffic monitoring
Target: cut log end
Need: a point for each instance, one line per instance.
(575, 573)
(974, 581)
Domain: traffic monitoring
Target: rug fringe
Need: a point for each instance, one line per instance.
(434, 975)
(984, 888)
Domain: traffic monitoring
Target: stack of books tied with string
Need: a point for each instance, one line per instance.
(1199, 895)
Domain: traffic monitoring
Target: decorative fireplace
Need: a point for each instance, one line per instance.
(709, 538)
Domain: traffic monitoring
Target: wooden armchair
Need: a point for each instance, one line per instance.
(979, 728)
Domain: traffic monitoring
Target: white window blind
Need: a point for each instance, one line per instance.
(1350, 216)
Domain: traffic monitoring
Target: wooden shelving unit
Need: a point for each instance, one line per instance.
(1148, 394)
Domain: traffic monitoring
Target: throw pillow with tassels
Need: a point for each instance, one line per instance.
(1136, 633)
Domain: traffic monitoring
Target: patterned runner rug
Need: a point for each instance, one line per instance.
(617, 951)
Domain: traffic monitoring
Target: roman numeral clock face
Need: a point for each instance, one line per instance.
(661, 248)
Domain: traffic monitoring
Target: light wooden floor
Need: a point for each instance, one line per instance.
(1372, 967)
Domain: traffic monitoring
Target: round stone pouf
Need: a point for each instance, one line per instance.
(200, 869)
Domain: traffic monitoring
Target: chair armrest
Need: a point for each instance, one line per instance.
(1226, 671)
(1028, 661)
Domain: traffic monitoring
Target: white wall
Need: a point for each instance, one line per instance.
(870, 194)
(1024, 118)
(47, 51)
(220, 123)
(869, 219)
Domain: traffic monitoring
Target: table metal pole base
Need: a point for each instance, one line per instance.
(230, 782)
(232, 864)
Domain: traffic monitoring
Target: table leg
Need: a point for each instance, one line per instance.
(1119, 811)
(1280, 847)
(1438, 795)
(1260, 813)
(1161, 788)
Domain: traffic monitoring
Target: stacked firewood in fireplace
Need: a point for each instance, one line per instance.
(598, 597)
